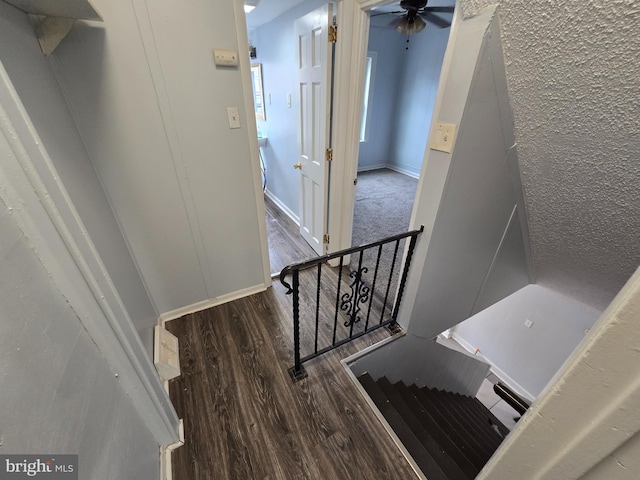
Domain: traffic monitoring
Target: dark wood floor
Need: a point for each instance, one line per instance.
(245, 419)
(286, 245)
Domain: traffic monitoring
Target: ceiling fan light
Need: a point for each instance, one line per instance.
(409, 27)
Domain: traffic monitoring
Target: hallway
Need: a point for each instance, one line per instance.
(245, 419)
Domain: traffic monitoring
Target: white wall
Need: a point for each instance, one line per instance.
(150, 106)
(467, 199)
(75, 378)
(57, 392)
(33, 78)
(586, 424)
(528, 357)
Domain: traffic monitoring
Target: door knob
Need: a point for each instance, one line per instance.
(297, 165)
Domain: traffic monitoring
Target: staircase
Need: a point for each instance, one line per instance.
(450, 436)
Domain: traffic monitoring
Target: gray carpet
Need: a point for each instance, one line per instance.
(383, 205)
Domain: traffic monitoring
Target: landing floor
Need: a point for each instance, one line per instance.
(245, 419)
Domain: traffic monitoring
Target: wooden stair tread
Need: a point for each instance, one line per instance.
(459, 422)
(437, 452)
(419, 453)
(450, 436)
(456, 452)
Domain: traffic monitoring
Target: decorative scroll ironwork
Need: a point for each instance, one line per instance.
(350, 302)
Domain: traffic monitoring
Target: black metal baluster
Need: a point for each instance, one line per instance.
(297, 372)
(373, 287)
(405, 273)
(393, 265)
(317, 308)
(335, 320)
(347, 302)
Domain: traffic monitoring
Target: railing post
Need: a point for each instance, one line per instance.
(405, 272)
(297, 372)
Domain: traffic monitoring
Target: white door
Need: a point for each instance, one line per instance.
(314, 86)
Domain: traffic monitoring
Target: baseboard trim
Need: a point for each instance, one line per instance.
(286, 210)
(214, 302)
(511, 383)
(372, 167)
(166, 467)
(404, 171)
(395, 168)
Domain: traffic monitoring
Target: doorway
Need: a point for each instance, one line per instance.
(295, 182)
(400, 86)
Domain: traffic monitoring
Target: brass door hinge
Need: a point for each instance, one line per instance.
(325, 238)
(328, 156)
(333, 33)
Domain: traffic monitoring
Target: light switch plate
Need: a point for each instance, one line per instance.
(443, 137)
(225, 58)
(233, 113)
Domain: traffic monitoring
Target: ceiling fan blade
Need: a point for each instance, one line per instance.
(385, 13)
(436, 20)
(438, 9)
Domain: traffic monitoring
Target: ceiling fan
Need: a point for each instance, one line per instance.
(415, 15)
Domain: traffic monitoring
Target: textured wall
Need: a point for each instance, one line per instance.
(573, 79)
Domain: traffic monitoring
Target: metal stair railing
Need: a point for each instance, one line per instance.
(348, 303)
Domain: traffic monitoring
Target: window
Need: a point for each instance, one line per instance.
(366, 100)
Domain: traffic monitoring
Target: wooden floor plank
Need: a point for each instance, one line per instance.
(286, 244)
(245, 419)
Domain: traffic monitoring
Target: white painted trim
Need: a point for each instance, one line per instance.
(213, 302)
(501, 374)
(286, 210)
(45, 213)
(252, 132)
(404, 171)
(349, 73)
(372, 167)
(166, 457)
(380, 417)
(389, 167)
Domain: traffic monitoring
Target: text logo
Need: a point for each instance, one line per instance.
(45, 467)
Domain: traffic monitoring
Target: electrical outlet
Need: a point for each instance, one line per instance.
(528, 323)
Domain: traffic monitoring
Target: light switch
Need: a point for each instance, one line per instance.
(234, 117)
(444, 135)
(225, 58)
